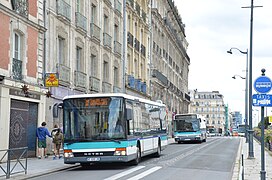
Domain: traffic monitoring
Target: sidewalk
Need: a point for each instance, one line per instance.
(37, 167)
(252, 167)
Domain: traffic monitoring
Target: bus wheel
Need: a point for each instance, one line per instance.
(138, 157)
(158, 153)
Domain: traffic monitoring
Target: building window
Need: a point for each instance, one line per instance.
(105, 71)
(79, 62)
(218, 122)
(93, 66)
(115, 76)
(93, 13)
(213, 122)
(116, 33)
(17, 57)
(106, 24)
(61, 50)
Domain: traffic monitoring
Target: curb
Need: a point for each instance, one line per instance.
(236, 170)
(29, 176)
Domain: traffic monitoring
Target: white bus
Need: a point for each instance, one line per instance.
(112, 127)
(189, 127)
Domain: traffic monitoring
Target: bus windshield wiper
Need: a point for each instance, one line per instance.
(115, 140)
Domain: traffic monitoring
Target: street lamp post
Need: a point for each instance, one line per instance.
(246, 88)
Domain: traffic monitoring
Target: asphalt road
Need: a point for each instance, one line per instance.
(212, 160)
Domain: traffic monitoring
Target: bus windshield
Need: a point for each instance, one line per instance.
(94, 119)
(186, 125)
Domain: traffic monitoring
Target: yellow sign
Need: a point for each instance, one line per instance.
(51, 80)
(270, 119)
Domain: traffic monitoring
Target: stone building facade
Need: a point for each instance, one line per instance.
(211, 105)
(22, 96)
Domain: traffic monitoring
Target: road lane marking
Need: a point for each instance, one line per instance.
(119, 175)
(145, 173)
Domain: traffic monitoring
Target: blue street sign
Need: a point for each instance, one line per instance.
(262, 100)
(263, 84)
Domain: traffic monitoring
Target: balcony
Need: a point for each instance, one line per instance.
(17, 69)
(95, 31)
(107, 40)
(81, 21)
(94, 84)
(64, 74)
(163, 79)
(80, 79)
(106, 87)
(108, 2)
(64, 9)
(21, 7)
(117, 47)
(116, 89)
(117, 6)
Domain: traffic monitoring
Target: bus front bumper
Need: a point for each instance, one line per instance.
(98, 159)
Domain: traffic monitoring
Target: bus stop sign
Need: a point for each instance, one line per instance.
(262, 84)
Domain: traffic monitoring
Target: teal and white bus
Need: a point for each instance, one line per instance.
(112, 127)
(189, 127)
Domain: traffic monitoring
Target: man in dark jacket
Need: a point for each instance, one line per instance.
(41, 134)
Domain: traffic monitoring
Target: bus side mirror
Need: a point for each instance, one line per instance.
(129, 114)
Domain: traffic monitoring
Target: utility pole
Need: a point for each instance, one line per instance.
(250, 131)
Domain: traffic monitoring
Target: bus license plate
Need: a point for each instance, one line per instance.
(93, 159)
(187, 139)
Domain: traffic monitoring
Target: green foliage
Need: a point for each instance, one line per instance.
(266, 123)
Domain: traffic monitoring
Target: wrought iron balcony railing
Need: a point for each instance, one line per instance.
(107, 40)
(64, 74)
(80, 79)
(81, 21)
(64, 9)
(117, 47)
(187, 97)
(95, 31)
(94, 84)
(17, 69)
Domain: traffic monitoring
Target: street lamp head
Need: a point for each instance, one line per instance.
(233, 77)
(229, 51)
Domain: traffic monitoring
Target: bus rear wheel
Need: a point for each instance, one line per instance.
(158, 153)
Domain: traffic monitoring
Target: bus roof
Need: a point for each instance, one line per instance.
(126, 96)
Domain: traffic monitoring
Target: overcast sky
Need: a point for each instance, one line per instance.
(214, 26)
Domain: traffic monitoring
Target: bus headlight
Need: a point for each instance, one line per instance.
(120, 152)
(68, 153)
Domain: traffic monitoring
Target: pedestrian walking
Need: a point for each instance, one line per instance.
(53, 133)
(41, 134)
(58, 140)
